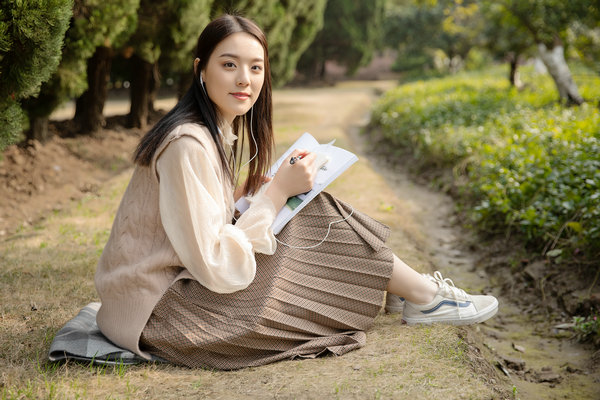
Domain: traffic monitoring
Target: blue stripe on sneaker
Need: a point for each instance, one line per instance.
(447, 303)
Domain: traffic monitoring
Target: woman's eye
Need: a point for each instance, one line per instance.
(257, 67)
(229, 65)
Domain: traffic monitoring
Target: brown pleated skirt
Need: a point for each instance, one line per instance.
(302, 302)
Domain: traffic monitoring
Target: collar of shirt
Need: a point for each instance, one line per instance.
(227, 133)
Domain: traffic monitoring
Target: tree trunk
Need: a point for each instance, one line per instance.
(513, 77)
(89, 106)
(139, 92)
(38, 129)
(153, 87)
(321, 69)
(183, 84)
(514, 74)
(554, 60)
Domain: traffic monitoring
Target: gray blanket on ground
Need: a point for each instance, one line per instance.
(80, 339)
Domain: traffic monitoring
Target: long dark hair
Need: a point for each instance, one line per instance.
(195, 106)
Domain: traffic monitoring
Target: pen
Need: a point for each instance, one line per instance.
(294, 159)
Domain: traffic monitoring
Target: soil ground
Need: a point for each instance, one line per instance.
(56, 209)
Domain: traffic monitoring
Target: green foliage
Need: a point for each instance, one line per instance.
(192, 17)
(305, 20)
(12, 120)
(548, 19)
(94, 23)
(31, 37)
(585, 40)
(290, 28)
(410, 29)
(548, 23)
(588, 328)
(169, 28)
(440, 32)
(503, 34)
(352, 31)
(530, 164)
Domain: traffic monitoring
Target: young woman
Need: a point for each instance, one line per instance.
(182, 279)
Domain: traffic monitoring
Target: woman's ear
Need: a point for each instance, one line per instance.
(196, 63)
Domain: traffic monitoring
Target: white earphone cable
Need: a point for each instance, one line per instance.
(323, 240)
(279, 241)
(237, 175)
(255, 146)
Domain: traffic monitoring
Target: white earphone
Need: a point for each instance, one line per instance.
(237, 175)
(202, 84)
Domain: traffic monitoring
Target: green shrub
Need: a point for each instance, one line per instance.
(532, 165)
(588, 328)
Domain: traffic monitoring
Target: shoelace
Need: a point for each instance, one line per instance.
(448, 285)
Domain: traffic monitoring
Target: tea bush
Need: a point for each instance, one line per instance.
(532, 165)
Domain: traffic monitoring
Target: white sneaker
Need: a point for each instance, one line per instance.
(393, 303)
(450, 305)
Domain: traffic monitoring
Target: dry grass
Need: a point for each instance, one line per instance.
(47, 276)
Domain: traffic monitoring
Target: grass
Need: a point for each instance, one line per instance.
(47, 276)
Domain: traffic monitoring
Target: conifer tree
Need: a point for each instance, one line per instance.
(290, 27)
(93, 23)
(31, 37)
(167, 29)
(115, 20)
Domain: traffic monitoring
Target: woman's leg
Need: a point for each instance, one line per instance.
(411, 285)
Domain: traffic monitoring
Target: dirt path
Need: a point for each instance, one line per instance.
(538, 359)
(48, 265)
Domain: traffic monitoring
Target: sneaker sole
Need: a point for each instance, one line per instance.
(394, 310)
(484, 315)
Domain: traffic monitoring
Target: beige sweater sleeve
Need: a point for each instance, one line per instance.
(193, 209)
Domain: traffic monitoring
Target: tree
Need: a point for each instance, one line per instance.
(505, 37)
(410, 29)
(584, 35)
(168, 29)
(31, 37)
(352, 32)
(460, 30)
(115, 21)
(89, 28)
(421, 28)
(547, 22)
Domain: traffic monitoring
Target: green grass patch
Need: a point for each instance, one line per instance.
(528, 164)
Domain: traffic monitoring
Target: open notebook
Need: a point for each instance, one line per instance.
(332, 161)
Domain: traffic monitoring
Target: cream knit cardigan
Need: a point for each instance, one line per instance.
(174, 222)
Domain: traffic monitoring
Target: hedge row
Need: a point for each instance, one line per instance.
(531, 165)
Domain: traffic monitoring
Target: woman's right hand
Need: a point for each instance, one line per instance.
(292, 179)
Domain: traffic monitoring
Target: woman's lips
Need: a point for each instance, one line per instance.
(241, 96)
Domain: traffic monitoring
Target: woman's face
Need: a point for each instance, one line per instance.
(234, 74)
